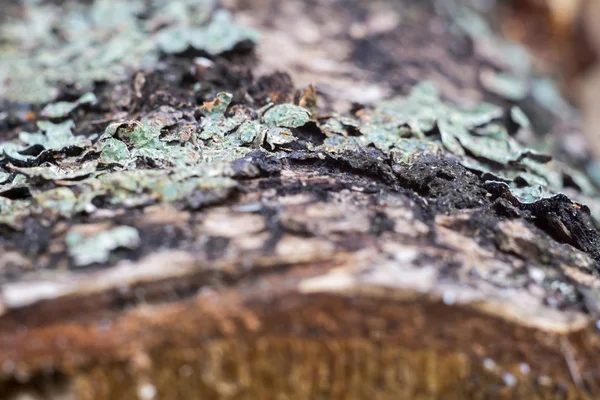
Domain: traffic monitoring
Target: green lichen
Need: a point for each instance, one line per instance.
(338, 125)
(507, 85)
(216, 108)
(215, 125)
(219, 35)
(529, 194)
(177, 155)
(64, 108)
(139, 135)
(137, 163)
(107, 40)
(51, 172)
(195, 156)
(56, 137)
(407, 150)
(114, 151)
(18, 181)
(519, 117)
(143, 187)
(14, 212)
(142, 162)
(278, 136)
(97, 248)
(124, 142)
(60, 201)
(286, 116)
(546, 93)
(248, 131)
(421, 123)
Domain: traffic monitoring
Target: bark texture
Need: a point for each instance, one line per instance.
(318, 275)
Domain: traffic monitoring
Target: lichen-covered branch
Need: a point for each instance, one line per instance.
(174, 225)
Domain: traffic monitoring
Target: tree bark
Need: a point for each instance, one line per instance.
(318, 275)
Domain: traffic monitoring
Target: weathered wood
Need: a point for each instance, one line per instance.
(317, 277)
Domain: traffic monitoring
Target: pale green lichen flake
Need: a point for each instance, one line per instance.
(286, 116)
(114, 151)
(61, 201)
(278, 136)
(218, 36)
(97, 247)
(507, 85)
(406, 150)
(519, 117)
(64, 108)
(248, 131)
(140, 134)
(14, 212)
(56, 137)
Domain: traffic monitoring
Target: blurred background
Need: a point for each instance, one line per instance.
(538, 54)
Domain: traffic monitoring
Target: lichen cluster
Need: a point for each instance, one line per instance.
(137, 163)
(165, 156)
(478, 137)
(75, 44)
(195, 155)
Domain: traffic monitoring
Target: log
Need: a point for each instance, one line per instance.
(288, 265)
